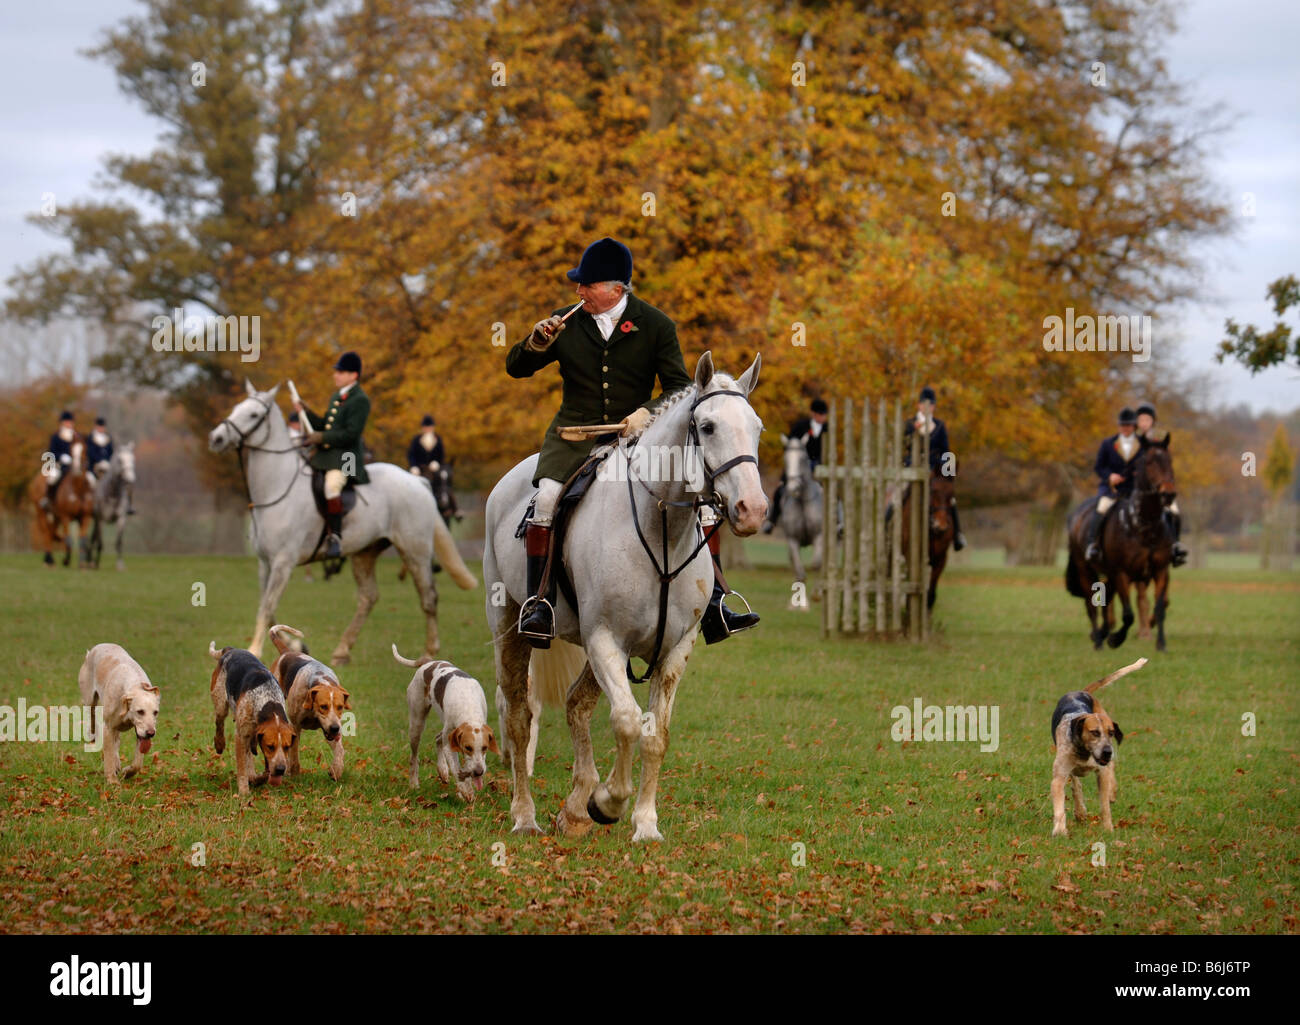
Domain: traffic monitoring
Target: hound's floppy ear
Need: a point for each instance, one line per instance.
(453, 738)
(248, 387)
(309, 700)
(749, 379)
(704, 371)
(1119, 734)
(1076, 730)
(347, 699)
(492, 741)
(126, 705)
(252, 741)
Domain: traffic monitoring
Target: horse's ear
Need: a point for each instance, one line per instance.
(1165, 444)
(749, 379)
(271, 393)
(784, 441)
(248, 387)
(704, 371)
(129, 447)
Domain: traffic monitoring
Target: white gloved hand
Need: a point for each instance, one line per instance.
(635, 422)
(415, 470)
(435, 466)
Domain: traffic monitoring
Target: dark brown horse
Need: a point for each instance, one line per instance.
(1136, 548)
(941, 529)
(74, 502)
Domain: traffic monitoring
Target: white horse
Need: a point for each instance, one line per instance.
(112, 499)
(395, 507)
(800, 514)
(617, 578)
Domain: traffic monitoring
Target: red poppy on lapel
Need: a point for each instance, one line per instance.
(627, 326)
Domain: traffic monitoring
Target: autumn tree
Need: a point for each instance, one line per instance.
(1257, 349)
(875, 197)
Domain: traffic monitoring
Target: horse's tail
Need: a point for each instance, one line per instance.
(1072, 582)
(1105, 681)
(554, 669)
(413, 663)
(444, 546)
(283, 646)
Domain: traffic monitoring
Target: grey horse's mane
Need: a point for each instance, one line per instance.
(725, 382)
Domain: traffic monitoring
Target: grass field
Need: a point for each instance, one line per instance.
(778, 740)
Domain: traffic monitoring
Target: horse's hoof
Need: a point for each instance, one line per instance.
(340, 658)
(528, 829)
(593, 809)
(651, 835)
(1115, 640)
(570, 827)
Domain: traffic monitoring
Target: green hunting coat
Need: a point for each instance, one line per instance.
(604, 381)
(341, 427)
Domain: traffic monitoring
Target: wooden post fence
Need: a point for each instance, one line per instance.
(870, 586)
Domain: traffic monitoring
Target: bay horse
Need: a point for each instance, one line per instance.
(113, 493)
(285, 527)
(941, 530)
(1136, 548)
(74, 504)
(636, 556)
(800, 514)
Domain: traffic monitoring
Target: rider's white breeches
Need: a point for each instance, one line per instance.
(334, 481)
(1104, 503)
(548, 493)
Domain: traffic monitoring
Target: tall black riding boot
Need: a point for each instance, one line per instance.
(537, 615)
(958, 539)
(1174, 524)
(719, 622)
(333, 528)
(774, 509)
(1092, 542)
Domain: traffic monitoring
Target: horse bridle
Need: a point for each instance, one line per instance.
(243, 444)
(714, 501)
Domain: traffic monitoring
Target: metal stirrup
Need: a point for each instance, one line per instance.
(528, 605)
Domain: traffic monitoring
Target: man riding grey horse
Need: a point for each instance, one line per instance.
(337, 438)
(608, 364)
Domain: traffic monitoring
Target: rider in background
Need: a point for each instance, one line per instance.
(339, 449)
(425, 449)
(99, 448)
(927, 423)
(1146, 421)
(99, 457)
(809, 430)
(1114, 470)
(61, 442)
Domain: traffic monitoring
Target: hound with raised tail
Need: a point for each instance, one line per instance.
(459, 699)
(1086, 739)
(244, 687)
(313, 696)
(112, 678)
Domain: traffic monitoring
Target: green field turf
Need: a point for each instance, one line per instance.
(778, 739)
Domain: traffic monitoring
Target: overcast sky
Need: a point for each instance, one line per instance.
(61, 112)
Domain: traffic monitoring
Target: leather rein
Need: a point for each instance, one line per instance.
(714, 501)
